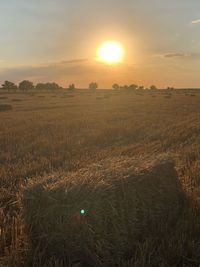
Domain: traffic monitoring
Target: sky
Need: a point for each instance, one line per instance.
(57, 40)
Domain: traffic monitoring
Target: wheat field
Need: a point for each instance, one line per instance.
(49, 141)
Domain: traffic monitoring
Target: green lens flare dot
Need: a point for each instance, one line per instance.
(82, 212)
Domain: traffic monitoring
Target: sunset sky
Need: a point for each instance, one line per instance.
(48, 40)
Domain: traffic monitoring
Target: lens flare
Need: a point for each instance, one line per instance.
(82, 211)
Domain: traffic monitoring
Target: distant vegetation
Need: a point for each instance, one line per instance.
(7, 86)
(26, 86)
(93, 86)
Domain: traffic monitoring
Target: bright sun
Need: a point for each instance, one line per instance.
(111, 52)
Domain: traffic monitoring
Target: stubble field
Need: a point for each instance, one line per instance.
(61, 134)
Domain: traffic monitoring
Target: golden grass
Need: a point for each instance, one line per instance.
(124, 203)
(38, 138)
(5, 107)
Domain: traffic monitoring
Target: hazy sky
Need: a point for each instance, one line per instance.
(56, 40)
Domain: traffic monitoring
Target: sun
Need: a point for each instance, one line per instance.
(110, 52)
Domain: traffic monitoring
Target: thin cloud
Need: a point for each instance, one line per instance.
(83, 73)
(197, 21)
(171, 55)
(192, 56)
(81, 60)
(64, 72)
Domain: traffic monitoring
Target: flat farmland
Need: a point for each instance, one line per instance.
(44, 134)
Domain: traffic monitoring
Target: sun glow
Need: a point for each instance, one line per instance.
(111, 52)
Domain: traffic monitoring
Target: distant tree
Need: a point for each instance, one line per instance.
(71, 87)
(116, 86)
(47, 87)
(133, 87)
(26, 86)
(40, 87)
(93, 86)
(124, 87)
(170, 88)
(52, 86)
(153, 87)
(141, 88)
(9, 86)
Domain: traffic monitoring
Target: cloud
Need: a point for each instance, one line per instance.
(171, 55)
(183, 55)
(81, 60)
(197, 21)
(48, 72)
(79, 71)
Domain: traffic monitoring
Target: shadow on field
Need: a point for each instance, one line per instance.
(99, 215)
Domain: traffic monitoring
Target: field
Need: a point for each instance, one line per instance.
(63, 133)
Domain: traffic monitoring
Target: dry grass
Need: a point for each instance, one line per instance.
(5, 107)
(124, 203)
(16, 100)
(38, 138)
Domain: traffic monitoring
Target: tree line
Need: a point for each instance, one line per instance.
(134, 87)
(25, 86)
